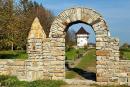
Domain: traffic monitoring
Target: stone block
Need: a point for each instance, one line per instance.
(101, 62)
(100, 44)
(122, 74)
(18, 63)
(98, 47)
(57, 71)
(61, 58)
(128, 69)
(99, 58)
(129, 79)
(89, 21)
(114, 79)
(102, 79)
(57, 78)
(58, 53)
(102, 53)
(123, 80)
(78, 12)
(59, 75)
(85, 18)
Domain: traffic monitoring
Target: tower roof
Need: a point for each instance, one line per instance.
(82, 31)
(36, 30)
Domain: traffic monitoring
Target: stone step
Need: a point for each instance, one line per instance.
(79, 82)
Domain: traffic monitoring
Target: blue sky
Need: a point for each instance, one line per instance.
(115, 12)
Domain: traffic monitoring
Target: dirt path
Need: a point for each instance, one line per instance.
(77, 61)
(83, 74)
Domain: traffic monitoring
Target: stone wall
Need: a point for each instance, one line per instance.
(15, 67)
(121, 72)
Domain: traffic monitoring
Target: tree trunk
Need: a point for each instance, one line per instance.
(12, 46)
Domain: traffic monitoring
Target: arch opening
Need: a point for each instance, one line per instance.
(76, 22)
(80, 51)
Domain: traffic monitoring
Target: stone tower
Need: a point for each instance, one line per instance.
(34, 49)
(82, 37)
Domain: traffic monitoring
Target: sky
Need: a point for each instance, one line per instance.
(115, 12)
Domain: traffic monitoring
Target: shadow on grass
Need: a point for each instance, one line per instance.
(85, 74)
(8, 56)
(17, 54)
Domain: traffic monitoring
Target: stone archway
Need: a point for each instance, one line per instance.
(105, 52)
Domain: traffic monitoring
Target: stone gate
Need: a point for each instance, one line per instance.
(46, 56)
(107, 48)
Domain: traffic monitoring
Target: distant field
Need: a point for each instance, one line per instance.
(13, 54)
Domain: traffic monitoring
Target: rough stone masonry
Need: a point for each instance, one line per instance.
(46, 56)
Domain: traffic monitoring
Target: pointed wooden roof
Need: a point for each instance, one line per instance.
(82, 31)
(36, 30)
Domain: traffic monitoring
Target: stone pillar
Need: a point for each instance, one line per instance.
(107, 59)
(34, 64)
(57, 62)
(46, 58)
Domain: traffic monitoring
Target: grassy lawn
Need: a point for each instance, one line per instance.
(127, 55)
(13, 55)
(70, 74)
(11, 81)
(73, 53)
(88, 59)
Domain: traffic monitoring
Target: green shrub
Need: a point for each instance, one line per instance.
(45, 83)
(16, 54)
(125, 53)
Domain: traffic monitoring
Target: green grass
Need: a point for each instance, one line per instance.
(125, 52)
(73, 53)
(70, 74)
(11, 81)
(88, 59)
(127, 55)
(81, 50)
(13, 55)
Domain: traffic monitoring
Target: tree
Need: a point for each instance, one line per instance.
(7, 19)
(125, 45)
(16, 20)
(70, 38)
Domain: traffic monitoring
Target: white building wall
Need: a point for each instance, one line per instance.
(82, 40)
